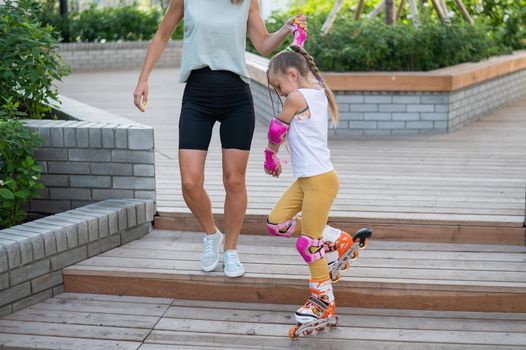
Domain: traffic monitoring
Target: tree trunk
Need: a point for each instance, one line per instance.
(332, 17)
(438, 9)
(389, 11)
(465, 12)
(400, 9)
(359, 9)
(414, 13)
(377, 9)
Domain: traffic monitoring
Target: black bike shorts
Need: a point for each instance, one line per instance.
(211, 96)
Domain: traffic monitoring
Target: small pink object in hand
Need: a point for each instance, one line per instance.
(300, 35)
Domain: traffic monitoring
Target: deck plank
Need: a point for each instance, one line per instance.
(197, 325)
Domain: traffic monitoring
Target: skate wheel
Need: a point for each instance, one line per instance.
(337, 279)
(364, 245)
(333, 325)
(307, 332)
(354, 256)
(292, 332)
(346, 267)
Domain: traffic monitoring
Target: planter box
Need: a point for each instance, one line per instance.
(401, 103)
(116, 55)
(92, 155)
(33, 255)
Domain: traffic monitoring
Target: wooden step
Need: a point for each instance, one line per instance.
(450, 228)
(90, 321)
(400, 275)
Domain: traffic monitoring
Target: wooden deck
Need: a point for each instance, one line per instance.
(468, 186)
(398, 275)
(89, 321)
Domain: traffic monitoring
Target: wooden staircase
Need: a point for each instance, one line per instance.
(401, 275)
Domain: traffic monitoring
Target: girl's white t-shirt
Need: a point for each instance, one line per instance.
(307, 136)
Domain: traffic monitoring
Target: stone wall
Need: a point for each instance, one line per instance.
(92, 157)
(33, 255)
(116, 55)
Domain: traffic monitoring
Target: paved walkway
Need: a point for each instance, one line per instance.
(475, 175)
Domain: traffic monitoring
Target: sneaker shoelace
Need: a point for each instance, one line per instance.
(232, 259)
(208, 246)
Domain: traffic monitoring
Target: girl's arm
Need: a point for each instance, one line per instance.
(295, 102)
(171, 19)
(263, 41)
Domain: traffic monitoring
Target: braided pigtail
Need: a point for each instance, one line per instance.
(333, 105)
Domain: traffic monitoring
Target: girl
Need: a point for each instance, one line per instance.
(217, 90)
(303, 120)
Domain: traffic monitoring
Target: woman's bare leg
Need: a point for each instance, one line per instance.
(234, 171)
(192, 168)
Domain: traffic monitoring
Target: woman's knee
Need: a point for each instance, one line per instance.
(192, 184)
(234, 183)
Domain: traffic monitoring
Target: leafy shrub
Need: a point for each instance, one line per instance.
(370, 45)
(19, 181)
(106, 24)
(29, 62)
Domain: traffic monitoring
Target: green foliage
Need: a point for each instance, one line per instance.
(106, 24)
(370, 45)
(29, 62)
(20, 175)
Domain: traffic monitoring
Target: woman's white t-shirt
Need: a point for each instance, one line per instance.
(307, 136)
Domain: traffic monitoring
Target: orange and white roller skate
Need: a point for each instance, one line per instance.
(318, 313)
(341, 249)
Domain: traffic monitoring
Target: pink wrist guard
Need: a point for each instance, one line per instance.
(271, 160)
(300, 35)
(277, 131)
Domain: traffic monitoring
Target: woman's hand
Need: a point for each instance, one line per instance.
(140, 95)
(299, 19)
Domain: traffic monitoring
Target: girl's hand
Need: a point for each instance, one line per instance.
(275, 173)
(140, 95)
(300, 20)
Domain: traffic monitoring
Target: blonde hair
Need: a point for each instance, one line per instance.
(298, 58)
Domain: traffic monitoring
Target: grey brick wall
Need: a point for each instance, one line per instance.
(116, 55)
(92, 156)
(479, 100)
(32, 255)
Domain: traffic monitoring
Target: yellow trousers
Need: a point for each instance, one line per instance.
(313, 196)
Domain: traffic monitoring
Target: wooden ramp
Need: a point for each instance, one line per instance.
(399, 275)
(465, 187)
(89, 321)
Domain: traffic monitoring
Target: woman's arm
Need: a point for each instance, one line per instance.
(171, 19)
(263, 41)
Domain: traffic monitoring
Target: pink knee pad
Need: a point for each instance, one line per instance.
(304, 243)
(275, 229)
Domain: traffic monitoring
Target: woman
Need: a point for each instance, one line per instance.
(213, 66)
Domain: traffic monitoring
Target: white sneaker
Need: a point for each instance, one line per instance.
(232, 265)
(210, 256)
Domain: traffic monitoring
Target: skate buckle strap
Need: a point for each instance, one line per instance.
(304, 245)
(320, 304)
(284, 229)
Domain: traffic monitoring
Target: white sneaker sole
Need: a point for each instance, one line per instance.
(214, 265)
(234, 274)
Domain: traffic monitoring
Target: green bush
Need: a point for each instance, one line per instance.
(370, 45)
(29, 63)
(20, 177)
(106, 24)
